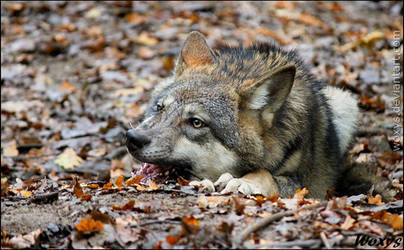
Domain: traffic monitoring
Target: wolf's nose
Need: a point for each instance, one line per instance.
(136, 139)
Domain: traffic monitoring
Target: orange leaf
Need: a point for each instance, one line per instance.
(118, 181)
(376, 200)
(88, 225)
(191, 224)
(134, 180)
(312, 20)
(107, 186)
(152, 185)
(393, 220)
(182, 181)
(77, 190)
(173, 239)
(158, 246)
(67, 86)
(300, 193)
(135, 18)
(26, 193)
(93, 186)
(86, 197)
(127, 206)
(140, 187)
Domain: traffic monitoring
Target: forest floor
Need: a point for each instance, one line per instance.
(75, 75)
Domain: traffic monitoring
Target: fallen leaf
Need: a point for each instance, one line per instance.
(89, 225)
(68, 159)
(182, 181)
(312, 20)
(135, 18)
(152, 185)
(158, 245)
(26, 193)
(134, 180)
(145, 39)
(10, 149)
(376, 200)
(190, 224)
(212, 201)
(348, 223)
(127, 206)
(173, 239)
(394, 220)
(300, 193)
(107, 186)
(238, 206)
(119, 181)
(25, 241)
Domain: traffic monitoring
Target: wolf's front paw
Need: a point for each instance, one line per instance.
(241, 186)
(223, 180)
(205, 183)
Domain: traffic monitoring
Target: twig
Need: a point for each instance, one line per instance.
(314, 243)
(274, 217)
(364, 131)
(158, 222)
(169, 190)
(325, 240)
(46, 197)
(169, 221)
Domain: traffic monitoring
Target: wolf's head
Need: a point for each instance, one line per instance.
(209, 117)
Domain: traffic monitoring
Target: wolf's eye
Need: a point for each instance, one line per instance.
(196, 123)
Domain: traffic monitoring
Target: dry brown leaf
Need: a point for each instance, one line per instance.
(212, 201)
(173, 239)
(152, 185)
(89, 225)
(300, 193)
(119, 181)
(135, 18)
(394, 220)
(68, 159)
(107, 186)
(134, 180)
(26, 193)
(145, 39)
(376, 200)
(348, 223)
(190, 224)
(10, 149)
(182, 181)
(312, 20)
(127, 206)
(67, 86)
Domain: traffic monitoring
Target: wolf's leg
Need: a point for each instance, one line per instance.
(257, 182)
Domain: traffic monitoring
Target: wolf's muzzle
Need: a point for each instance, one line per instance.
(136, 140)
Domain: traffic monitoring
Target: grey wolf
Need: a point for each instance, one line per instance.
(252, 120)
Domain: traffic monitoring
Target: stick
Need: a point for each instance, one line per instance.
(267, 220)
(289, 244)
(325, 240)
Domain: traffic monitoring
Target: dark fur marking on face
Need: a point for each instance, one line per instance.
(289, 150)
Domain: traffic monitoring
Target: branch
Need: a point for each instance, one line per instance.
(267, 220)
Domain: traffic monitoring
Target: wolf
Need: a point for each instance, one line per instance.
(250, 120)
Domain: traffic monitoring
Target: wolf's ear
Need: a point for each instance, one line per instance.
(195, 52)
(272, 90)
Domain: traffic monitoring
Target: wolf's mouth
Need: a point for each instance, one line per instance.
(157, 173)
